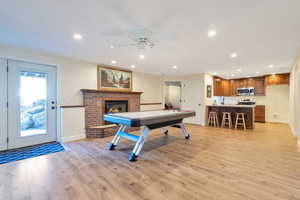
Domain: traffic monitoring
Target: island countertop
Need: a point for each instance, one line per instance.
(232, 105)
(248, 110)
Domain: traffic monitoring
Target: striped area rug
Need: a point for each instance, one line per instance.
(30, 152)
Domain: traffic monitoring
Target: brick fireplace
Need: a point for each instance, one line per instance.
(99, 102)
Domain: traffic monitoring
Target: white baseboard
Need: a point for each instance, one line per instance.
(73, 138)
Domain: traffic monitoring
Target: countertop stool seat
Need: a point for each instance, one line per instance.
(213, 119)
(226, 120)
(240, 120)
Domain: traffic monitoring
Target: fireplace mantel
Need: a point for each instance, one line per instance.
(108, 91)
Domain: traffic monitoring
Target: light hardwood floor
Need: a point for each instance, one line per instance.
(214, 164)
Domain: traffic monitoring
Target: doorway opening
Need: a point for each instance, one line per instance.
(172, 97)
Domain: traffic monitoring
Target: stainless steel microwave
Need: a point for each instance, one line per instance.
(249, 91)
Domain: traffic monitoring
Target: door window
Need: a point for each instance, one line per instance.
(33, 103)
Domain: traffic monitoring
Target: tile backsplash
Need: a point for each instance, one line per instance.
(230, 100)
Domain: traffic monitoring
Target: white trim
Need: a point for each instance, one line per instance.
(73, 138)
(298, 142)
(28, 61)
(3, 107)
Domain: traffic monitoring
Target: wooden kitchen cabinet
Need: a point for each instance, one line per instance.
(233, 87)
(218, 91)
(260, 113)
(226, 88)
(223, 87)
(260, 88)
(278, 79)
(250, 82)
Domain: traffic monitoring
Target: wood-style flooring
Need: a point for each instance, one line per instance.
(214, 164)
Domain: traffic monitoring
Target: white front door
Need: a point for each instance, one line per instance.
(192, 99)
(3, 104)
(31, 104)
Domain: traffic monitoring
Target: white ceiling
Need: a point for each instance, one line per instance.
(261, 32)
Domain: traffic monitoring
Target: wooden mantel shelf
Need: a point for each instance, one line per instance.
(108, 91)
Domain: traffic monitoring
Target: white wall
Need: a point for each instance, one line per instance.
(74, 75)
(151, 86)
(295, 98)
(276, 102)
(73, 126)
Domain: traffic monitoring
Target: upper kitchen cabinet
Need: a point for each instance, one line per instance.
(259, 85)
(250, 82)
(233, 86)
(226, 88)
(221, 87)
(218, 91)
(278, 79)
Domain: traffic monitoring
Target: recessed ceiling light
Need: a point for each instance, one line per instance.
(113, 62)
(257, 72)
(141, 56)
(132, 66)
(248, 76)
(232, 74)
(233, 55)
(215, 73)
(111, 46)
(174, 67)
(270, 66)
(239, 70)
(77, 36)
(211, 33)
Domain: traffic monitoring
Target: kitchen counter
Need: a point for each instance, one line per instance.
(248, 110)
(233, 105)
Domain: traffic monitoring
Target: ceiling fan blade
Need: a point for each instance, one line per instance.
(114, 33)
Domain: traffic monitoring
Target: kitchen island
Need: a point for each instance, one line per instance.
(233, 109)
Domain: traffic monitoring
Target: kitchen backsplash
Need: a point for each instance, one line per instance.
(231, 100)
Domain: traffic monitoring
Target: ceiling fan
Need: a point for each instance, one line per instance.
(141, 39)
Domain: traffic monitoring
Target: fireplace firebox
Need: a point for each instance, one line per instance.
(113, 106)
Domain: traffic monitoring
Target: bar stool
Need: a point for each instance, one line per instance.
(226, 120)
(240, 120)
(213, 119)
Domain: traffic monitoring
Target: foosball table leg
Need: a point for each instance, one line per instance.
(139, 144)
(165, 130)
(186, 134)
(116, 139)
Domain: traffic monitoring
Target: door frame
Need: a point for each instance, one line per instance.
(165, 91)
(58, 88)
(3, 102)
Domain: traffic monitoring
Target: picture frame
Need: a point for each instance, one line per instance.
(114, 79)
(208, 91)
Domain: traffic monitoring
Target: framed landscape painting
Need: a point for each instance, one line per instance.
(114, 79)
